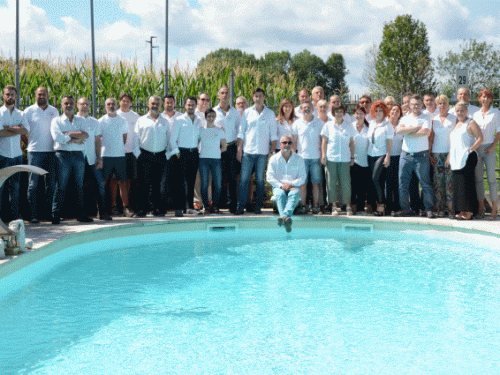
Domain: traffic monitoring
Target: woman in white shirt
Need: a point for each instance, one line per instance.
(322, 107)
(380, 136)
(337, 153)
(392, 176)
(284, 120)
(465, 138)
(488, 120)
(439, 145)
(212, 144)
(360, 172)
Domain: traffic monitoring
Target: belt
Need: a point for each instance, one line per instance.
(421, 153)
(70, 152)
(152, 153)
(189, 149)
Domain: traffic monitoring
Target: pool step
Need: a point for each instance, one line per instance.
(357, 227)
(222, 227)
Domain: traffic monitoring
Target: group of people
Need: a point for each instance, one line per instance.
(323, 160)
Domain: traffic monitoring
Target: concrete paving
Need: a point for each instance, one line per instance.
(45, 233)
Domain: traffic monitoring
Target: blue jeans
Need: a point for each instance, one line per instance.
(213, 166)
(420, 164)
(249, 163)
(47, 161)
(70, 164)
(286, 201)
(13, 184)
(101, 192)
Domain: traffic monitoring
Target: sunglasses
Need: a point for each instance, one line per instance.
(286, 143)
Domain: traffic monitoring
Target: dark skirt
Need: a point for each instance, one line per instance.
(464, 186)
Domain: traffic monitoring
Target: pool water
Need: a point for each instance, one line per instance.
(314, 302)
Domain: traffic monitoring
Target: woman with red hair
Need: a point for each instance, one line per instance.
(380, 134)
(488, 119)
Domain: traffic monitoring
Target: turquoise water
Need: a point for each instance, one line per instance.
(340, 303)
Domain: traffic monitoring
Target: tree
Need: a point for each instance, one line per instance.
(311, 70)
(337, 71)
(482, 61)
(403, 62)
(233, 57)
(276, 62)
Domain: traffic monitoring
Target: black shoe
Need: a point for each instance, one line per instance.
(179, 213)
(239, 211)
(105, 217)
(158, 213)
(35, 221)
(258, 211)
(85, 219)
(141, 213)
(56, 220)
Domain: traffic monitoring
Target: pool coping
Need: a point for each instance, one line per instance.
(50, 239)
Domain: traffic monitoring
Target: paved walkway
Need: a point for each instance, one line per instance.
(45, 233)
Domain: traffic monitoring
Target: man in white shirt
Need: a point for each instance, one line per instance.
(334, 103)
(186, 135)
(405, 103)
(463, 95)
(317, 94)
(304, 96)
(415, 128)
(241, 104)
(430, 105)
(307, 138)
(228, 118)
(286, 172)
(114, 133)
(13, 124)
(131, 152)
(93, 160)
(69, 133)
(257, 132)
(153, 133)
(41, 150)
(366, 102)
(173, 167)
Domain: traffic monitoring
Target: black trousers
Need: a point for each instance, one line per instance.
(151, 174)
(189, 161)
(231, 168)
(464, 186)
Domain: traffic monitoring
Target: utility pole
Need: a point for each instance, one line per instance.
(17, 54)
(94, 86)
(150, 41)
(166, 49)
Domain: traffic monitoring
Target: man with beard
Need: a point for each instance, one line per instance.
(41, 149)
(13, 124)
(153, 133)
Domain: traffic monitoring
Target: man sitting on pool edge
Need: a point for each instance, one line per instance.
(286, 172)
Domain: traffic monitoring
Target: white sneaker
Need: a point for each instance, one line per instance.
(335, 211)
(191, 211)
(349, 211)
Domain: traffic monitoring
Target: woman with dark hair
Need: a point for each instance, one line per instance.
(360, 172)
(465, 138)
(284, 120)
(380, 136)
(392, 176)
(488, 120)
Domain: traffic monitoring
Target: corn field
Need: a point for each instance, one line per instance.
(74, 77)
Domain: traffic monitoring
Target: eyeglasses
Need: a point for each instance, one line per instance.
(286, 143)
(204, 100)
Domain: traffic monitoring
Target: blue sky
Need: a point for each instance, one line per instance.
(350, 27)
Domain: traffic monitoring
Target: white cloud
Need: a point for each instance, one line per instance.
(348, 27)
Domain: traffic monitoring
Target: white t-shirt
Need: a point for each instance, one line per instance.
(10, 147)
(112, 131)
(361, 144)
(442, 132)
(39, 120)
(210, 142)
(338, 141)
(132, 144)
(489, 124)
(93, 130)
(397, 144)
(308, 137)
(415, 144)
(378, 134)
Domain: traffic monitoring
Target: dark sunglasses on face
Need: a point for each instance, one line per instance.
(286, 143)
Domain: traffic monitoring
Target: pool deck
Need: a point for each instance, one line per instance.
(45, 233)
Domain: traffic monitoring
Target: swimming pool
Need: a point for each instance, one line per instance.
(245, 301)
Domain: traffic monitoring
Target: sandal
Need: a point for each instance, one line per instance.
(380, 210)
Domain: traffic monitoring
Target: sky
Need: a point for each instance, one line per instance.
(58, 29)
